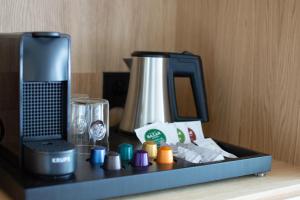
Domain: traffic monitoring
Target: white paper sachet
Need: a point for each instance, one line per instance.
(211, 144)
(195, 130)
(182, 132)
(195, 154)
(172, 137)
(160, 133)
(188, 155)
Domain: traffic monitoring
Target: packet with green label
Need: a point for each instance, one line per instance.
(160, 133)
(182, 132)
(195, 130)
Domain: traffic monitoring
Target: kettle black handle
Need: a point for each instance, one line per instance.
(1, 130)
(187, 66)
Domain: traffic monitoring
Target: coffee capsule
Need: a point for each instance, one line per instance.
(141, 159)
(112, 161)
(151, 148)
(97, 155)
(165, 155)
(126, 151)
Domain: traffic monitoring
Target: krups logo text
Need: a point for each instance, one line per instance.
(61, 159)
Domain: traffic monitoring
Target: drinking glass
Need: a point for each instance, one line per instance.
(79, 122)
(99, 122)
(89, 124)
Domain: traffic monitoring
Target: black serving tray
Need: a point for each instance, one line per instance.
(92, 182)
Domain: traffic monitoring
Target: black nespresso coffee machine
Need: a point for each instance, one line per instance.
(35, 102)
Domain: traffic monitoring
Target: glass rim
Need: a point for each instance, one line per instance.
(90, 101)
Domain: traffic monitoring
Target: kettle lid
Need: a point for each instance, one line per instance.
(162, 54)
(150, 54)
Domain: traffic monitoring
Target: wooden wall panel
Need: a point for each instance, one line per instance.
(249, 49)
(103, 31)
(127, 26)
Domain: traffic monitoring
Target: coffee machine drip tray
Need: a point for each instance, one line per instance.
(93, 182)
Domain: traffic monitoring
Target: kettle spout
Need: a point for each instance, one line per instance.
(128, 62)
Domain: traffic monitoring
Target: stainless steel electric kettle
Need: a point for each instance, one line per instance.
(151, 93)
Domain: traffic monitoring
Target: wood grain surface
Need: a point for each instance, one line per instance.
(250, 51)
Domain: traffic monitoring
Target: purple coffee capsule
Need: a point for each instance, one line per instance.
(141, 159)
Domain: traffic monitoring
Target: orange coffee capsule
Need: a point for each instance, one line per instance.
(151, 148)
(165, 155)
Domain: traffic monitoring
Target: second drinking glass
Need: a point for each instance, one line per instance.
(90, 124)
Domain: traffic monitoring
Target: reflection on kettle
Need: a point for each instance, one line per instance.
(151, 93)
